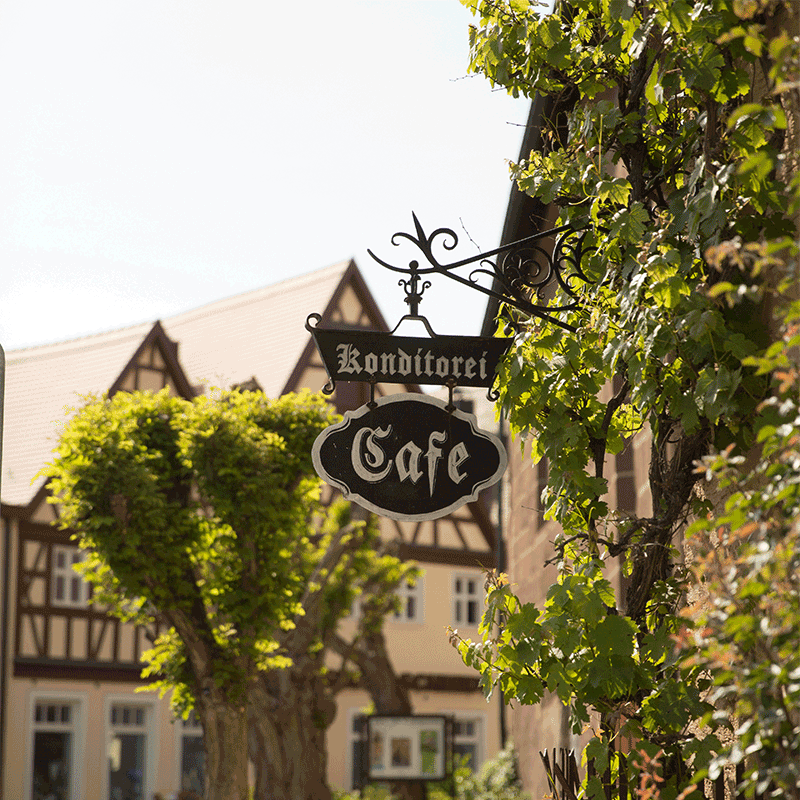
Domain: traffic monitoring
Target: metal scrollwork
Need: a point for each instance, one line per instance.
(520, 271)
(413, 291)
(312, 321)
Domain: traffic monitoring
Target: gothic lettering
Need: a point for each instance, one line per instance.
(387, 363)
(404, 362)
(409, 456)
(372, 464)
(458, 455)
(371, 363)
(433, 455)
(423, 363)
(375, 456)
(348, 358)
(407, 461)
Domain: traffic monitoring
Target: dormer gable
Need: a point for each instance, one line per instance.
(153, 367)
(350, 306)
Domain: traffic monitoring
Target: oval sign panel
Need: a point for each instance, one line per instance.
(409, 457)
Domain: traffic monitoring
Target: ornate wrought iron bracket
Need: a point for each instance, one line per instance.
(520, 271)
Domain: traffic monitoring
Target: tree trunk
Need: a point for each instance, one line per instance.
(222, 714)
(289, 714)
(225, 738)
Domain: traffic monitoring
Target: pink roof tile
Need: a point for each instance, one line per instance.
(259, 333)
(42, 385)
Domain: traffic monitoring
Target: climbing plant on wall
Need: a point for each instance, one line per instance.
(670, 134)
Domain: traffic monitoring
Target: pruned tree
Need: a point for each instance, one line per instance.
(672, 141)
(205, 516)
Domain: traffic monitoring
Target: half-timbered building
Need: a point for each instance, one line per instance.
(74, 724)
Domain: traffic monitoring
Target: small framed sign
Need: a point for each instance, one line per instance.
(410, 748)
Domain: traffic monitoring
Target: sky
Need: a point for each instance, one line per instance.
(157, 155)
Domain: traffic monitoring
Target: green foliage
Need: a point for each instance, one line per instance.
(496, 780)
(748, 563)
(205, 516)
(372, 792)
(580, 648)
(665, 137)
(168, 497)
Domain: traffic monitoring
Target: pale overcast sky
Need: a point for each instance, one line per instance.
(156, 155)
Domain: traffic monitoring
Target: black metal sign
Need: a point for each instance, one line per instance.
(409, 456)
(376, 357)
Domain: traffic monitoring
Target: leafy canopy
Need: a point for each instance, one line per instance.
(205, 515)
(666, 138)
(748, 563)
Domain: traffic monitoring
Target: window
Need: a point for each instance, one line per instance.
(467, 598)
(127, 751)
(193, 755)
(411, 603)
(358, 750)
(53, 762)
(67, 587)
(468, 741)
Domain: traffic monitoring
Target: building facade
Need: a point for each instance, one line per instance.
(75, 723)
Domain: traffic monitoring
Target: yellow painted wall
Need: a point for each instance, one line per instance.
(419, 647)
(423, 647)
(92, 735)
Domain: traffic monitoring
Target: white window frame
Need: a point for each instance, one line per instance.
(77, 727)
(417, 592)
(184, 728)
(69, 574)
(351, 740)
(478, 738)
(464, 597)
(149, 728)
(462, 715)
(479, 718)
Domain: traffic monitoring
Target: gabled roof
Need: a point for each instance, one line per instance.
(42, 385)
(259, 334)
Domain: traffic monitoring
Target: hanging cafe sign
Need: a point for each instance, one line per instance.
(409, 457)
(412, 456)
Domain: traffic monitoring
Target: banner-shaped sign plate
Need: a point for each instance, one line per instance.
(409, 457)
(357, 355)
